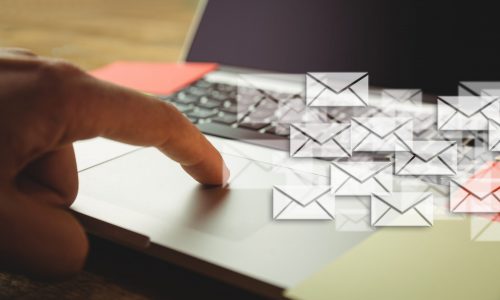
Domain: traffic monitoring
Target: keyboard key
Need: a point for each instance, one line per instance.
(196, 91)
(226, 118)
(278, 130)
(229, 107)
(216, 95)
(183, 107)
(225, 88)
(253, 126)
(209, 103)
(186, 98)
(202, 83)
(201, 113)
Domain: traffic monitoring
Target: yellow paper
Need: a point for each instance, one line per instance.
(438, 263)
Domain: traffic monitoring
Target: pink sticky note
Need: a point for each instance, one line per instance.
(154, 78)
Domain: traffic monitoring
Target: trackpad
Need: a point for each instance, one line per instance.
(147, 182)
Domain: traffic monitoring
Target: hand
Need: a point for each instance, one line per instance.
(45, 105)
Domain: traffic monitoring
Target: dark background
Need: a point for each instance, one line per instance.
(407, 44)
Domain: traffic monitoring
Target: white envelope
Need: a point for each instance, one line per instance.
(475, 195)
(274, 167)
(320, 140)
(352, 214)
(337, 89)
(402, 209)
(427, 158)
(402, 96)
(493, 136)
(475, 88)
(270, 98)
(292, 202)
(380, 134)
(485, 227)
(467, 112)
(439, 192)
(361, 178)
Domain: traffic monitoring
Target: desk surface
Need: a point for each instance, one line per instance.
(92, 33)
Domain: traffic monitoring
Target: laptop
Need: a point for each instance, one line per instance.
(140, 199)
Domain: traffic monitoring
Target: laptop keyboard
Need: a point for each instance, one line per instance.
(213, 108)
(208, 102)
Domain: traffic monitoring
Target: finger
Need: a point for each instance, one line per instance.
(53, 175)
(38, 238)
(102, 109)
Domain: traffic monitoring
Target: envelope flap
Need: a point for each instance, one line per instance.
(321, 132)
(303, 195)
(382, 127)
(362, 171)
(480, 188)
(468, 105)
(338, 81)
(402, 202)
(401, 94)
(428, 150)
(356, 217)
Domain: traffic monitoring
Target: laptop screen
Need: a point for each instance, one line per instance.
(401, 43)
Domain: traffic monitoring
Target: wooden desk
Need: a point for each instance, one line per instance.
(92, 33)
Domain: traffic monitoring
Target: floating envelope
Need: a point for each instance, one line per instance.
(427, 158)
(439, 192)
(485, 227)
(337, 89)
(320, 140)
(402, 209)
(493, 136)
(475, 195)
(352, 214)
(381, 134)
(303, 203)
(475, 88)
(467, 112)
(402, 96)
(361, 178)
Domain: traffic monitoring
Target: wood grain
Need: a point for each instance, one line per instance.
(92, 33)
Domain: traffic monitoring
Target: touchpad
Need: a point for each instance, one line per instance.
(149, 183)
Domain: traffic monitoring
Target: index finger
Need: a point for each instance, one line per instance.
(98, 108)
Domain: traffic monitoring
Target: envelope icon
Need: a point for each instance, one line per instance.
(427, 158)
(392, 101)
(402, 96)
(485, 227)
(320, 140)
(475, 88)
(381, 134)
(356, 178)
(352, 214)
(292, 202)
(467, 112)
(493, 136)
(337, 89)
(275, 167)
(475, 195)
(402, 209)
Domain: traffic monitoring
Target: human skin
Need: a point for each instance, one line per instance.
(46, 105)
